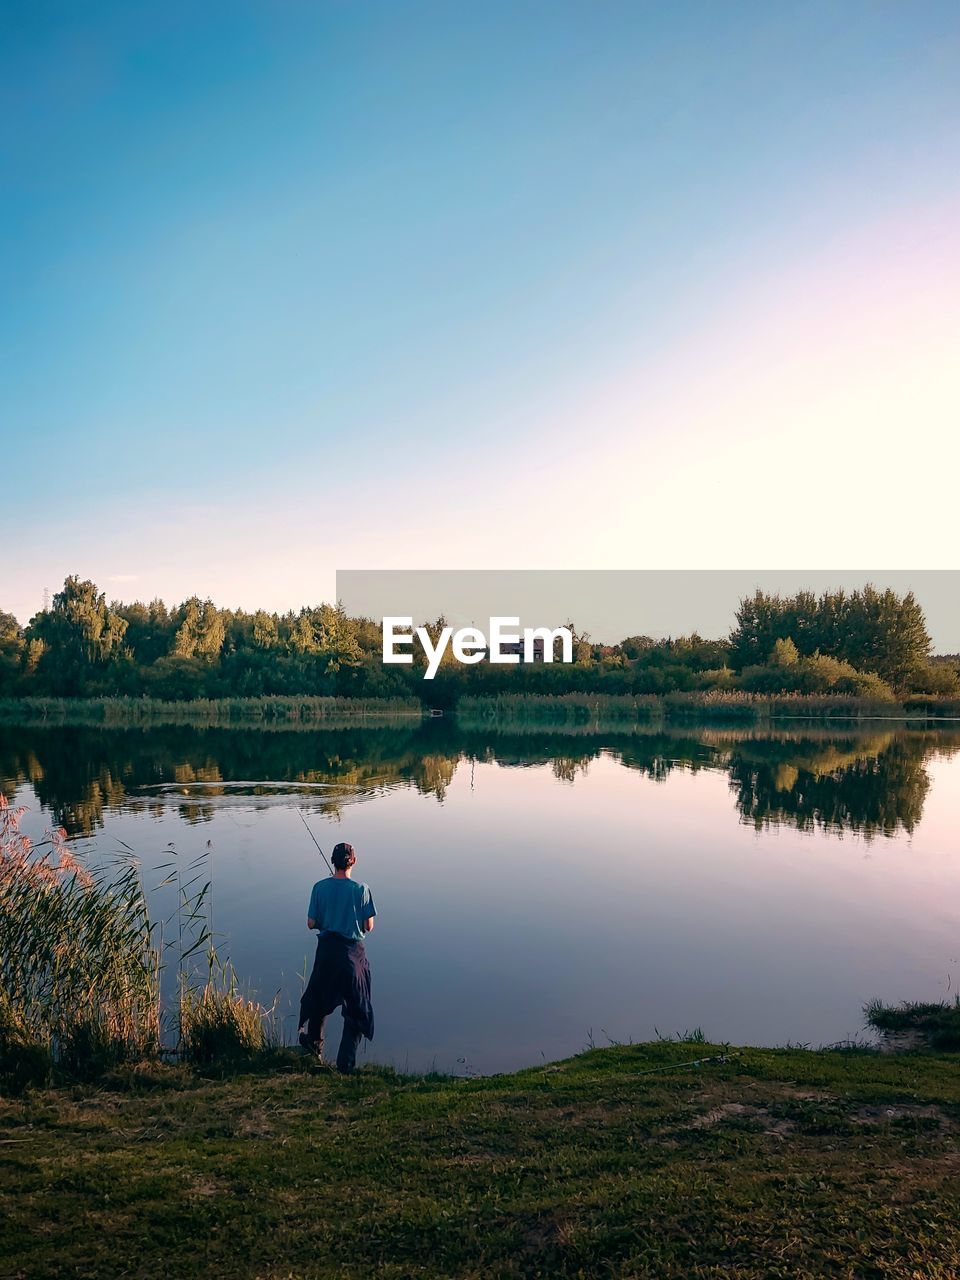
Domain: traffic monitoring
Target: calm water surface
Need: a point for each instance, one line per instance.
(535, 890)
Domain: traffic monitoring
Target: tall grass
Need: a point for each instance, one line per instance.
(933, 704)
(276, 711)
(79, 974)
(81, 965)
(933, 1025)
(217, 1022)
(522, 710)
(515, 709)
(718, 704)
(535, 709)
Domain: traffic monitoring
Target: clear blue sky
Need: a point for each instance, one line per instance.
(289, 287)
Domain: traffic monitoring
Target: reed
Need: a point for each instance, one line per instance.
(939, 706)
(717, 705)
(519, 709)
(81, 965)
(218, 1023)
(79, 974)
(215, 1022)
(578, 708)
(276, 712)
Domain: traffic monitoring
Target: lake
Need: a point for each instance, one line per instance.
(540, 891)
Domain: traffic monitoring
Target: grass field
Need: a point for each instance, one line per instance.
(777, 1163)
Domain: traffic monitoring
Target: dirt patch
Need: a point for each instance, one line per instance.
(804, 1095)
(597, 1114)
(721, 1113)
(205, 1188)
(776, 1126)
(926, 1114)
(473, 1158)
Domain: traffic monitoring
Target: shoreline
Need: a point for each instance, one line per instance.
(495, 711)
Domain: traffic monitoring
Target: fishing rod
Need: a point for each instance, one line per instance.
(314, 839)
(694, 1062)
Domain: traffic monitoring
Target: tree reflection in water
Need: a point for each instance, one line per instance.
(869, 783)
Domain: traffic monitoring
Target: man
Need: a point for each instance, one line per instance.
(343, 911)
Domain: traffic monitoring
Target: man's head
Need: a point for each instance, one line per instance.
(343, 857)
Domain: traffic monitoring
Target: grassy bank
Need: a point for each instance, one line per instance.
(516, 711)
(934, 1025)
(275, 712)
(775, 1163)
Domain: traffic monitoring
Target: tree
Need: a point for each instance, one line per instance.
(887, 634)
(80, 634)
(636, 646)
(760, 624)
(785, 654)
(150, 630)
(200, 631)
(878, 632)
(302, 636)
(863, 642)
(266, 632)
(12, 645)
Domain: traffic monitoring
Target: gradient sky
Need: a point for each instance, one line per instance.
(294, 287)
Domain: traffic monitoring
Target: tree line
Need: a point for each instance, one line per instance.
(869, 642)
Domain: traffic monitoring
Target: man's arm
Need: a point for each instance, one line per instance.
(366, 924)
(311, 923)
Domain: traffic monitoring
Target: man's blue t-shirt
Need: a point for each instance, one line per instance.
(341, 906)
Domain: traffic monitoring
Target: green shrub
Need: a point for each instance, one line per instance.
(938, 679)
(718, 678)
(817, 674)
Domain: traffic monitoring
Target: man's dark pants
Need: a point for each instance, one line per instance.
(340, 979)
(349, 1041)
